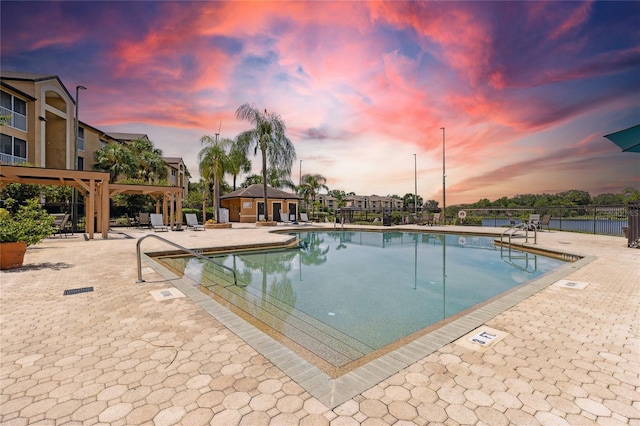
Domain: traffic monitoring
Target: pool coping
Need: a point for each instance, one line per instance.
(335, 391)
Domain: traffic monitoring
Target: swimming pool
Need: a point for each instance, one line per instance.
(348, 296)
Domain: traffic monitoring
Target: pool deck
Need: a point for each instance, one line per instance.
(118, 356)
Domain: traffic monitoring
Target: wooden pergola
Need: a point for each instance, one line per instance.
(97, 191)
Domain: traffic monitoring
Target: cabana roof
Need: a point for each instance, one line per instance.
(257, 191)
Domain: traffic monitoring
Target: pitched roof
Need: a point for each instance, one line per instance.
(257, 191)
(126, 137)
(28, 76)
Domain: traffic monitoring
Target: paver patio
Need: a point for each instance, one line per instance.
(117, 356)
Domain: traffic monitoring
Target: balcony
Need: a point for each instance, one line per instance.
(11, 160)
(17, 121)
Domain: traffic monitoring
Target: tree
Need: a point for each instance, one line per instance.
(310, 187)
(213, 161)
(135, 160)
(238, 162)
(269, 136)
(149, 165)
(116, 159)
(409, 200)
(340, 196)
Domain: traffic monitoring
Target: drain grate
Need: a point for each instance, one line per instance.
(77, 290)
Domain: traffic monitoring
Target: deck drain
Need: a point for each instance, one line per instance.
(571, 284)
(77, 290)
(166, 294)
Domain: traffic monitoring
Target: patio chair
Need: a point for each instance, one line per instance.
(545, 221)
(533, 222)
(143, 220)
(304, 218)
(60, 224)
(192, 222)
(435, 219)
(157, 223)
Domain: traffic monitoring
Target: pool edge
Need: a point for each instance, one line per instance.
(335, 391)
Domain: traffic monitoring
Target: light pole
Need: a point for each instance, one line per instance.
(74, 194)
(444, 175)
(300, 184)
(415, 174)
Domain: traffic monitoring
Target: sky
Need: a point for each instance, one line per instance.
(525, 91)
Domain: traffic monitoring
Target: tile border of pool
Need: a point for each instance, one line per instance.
(335, 391)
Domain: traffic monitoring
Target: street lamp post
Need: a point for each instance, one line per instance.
(74, 195)
(415, 174)
(444, 175)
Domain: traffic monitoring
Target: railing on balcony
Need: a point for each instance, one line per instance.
(11, 160)
(16, 120)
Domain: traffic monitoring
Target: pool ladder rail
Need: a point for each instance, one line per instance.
(195, 253)
(515, 232)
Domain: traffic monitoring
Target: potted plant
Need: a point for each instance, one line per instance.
(28, 224)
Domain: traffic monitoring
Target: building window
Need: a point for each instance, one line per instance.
(16, 109)
(13, 150)
(81, 139)
(80, 163)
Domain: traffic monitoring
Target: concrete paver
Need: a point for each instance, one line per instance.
(118, 356)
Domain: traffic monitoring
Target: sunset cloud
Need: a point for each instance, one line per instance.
(524, 89)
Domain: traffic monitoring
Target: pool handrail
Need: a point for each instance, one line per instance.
(512, 232)
(192, 252)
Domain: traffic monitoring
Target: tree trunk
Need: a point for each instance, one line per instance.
(216, 190)
(264, 183)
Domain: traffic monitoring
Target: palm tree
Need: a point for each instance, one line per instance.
(275, 179)
(268, 135)
(115, 158)
(311, 186)
(212, 163)
(151, 166)
(238, 162)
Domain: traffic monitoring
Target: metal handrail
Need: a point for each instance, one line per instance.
(511, 232)
(192, 252)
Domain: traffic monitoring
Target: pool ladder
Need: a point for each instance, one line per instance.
(195, 253)
(516, 232)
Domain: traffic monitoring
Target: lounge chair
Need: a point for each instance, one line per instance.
(60, 224)
(435, 220)
(545, 221)
(304, 218)
(143, 220)
(157, 223)
(192, 222)
(533, 222)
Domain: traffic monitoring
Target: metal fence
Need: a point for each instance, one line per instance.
(603, 220)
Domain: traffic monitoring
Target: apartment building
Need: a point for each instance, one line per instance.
(365, 203)
(39, 115)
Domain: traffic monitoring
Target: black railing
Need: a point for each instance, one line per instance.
(603, 220)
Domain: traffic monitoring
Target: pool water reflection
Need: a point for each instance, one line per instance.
(343, 295)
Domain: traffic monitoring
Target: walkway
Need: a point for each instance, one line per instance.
(118, 356)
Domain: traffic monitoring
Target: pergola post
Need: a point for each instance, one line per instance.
(90, 206)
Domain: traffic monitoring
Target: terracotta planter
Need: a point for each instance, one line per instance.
(270, 223)
(217, 225)
(12, 255)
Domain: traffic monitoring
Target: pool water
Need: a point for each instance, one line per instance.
(344, 295)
